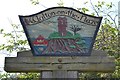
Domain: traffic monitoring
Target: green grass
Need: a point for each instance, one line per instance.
(68, 35)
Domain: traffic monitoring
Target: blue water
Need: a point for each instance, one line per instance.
(88, 41)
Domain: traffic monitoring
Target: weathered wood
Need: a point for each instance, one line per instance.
(59, 75)
(46, 74)
(25, 62)
(29, 53)
(24, 53)
(72, 74)
(55, 60)
(103, 67)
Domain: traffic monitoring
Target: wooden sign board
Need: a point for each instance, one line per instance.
(61, 31)
(26, 62)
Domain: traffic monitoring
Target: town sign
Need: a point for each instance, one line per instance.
(61, 31)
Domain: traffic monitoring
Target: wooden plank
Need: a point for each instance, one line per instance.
(24, 53)
(25, 62)
(29, 53)
(32, 65)
(103, 67)
(52, 60)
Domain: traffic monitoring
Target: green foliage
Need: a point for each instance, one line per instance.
(53, 35)
(84, 10)
(20, 76)
(107, 38)
(14, 39)
(68, 35)
(61, 3)
(99, 5)
(8, 76)
(72, 46)
(93, 75)
(34, 2)
(57, 35)
(1, 31)
(29, 76)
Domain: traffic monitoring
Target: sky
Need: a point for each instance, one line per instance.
(10, 9)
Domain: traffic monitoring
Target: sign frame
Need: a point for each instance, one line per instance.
(22, 20)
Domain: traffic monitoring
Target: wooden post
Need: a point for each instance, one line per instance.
(46, 74)
(60, 74)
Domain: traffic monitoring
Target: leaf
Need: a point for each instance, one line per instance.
(1, 31)
(84, 10)
(34, 2)
(61, 3)
(93, 14)
(86, 2)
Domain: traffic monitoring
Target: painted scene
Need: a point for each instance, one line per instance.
(61, 35)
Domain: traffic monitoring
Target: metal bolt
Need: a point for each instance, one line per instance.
(59, 66)
(59, 60)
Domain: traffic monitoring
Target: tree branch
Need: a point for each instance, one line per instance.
(94, 8)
